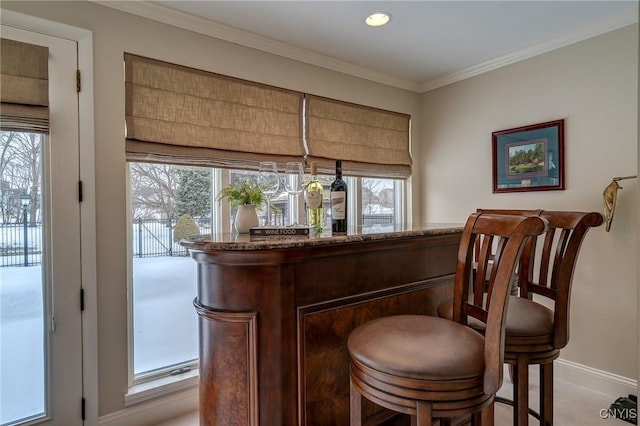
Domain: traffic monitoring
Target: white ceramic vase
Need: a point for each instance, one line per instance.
(246, 217)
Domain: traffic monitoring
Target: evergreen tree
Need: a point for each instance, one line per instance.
(193, 195)
(185, 227)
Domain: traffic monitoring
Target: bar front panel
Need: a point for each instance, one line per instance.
(277, 318)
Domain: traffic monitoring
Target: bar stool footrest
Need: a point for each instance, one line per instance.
(502, 400)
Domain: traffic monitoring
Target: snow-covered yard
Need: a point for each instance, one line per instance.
(165, 327)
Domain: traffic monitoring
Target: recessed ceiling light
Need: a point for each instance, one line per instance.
(378, 19)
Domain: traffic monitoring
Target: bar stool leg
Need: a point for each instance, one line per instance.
(546, 394)
(487, 415)
(521, 392)
(355, 409)
(514, 381)
(423, 413)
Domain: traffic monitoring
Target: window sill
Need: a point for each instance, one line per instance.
(160, 387)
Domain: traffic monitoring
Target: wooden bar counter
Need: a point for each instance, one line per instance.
(274, 316)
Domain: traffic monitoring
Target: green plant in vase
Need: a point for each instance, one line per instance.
(246, 197)
(247, 193)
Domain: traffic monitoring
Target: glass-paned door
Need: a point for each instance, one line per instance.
(40, 317)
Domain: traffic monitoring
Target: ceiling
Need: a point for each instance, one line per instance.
(427, 44)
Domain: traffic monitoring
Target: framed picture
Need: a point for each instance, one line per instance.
(529, 158)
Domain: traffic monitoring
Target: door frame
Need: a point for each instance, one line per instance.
(84, 38)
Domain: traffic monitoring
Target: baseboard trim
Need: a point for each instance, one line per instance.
(594, 379)
(155, 411)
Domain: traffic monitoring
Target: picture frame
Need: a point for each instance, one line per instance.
(529, 158)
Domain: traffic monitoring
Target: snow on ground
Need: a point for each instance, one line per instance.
(165, 327)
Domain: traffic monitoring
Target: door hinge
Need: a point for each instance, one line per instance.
(78, 86)
(83, 409)
(80, 194)
(81, 299)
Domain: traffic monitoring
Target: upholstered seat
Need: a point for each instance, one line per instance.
(430, 367)
(524, 318)
(396, 345)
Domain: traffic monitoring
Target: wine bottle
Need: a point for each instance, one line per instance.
(314, 201)
(338, 202)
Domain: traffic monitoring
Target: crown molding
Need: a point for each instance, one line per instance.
(612, 24)
(183, 20)
(245, 38)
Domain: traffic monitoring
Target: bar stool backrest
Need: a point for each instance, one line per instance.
(509, 233)
(548, 270)
(552, 275)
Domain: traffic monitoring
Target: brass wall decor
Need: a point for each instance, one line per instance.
(609, 197)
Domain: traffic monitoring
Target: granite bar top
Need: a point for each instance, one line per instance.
(240, 242)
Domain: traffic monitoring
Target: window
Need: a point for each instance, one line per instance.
(170, 202)
(381, 203)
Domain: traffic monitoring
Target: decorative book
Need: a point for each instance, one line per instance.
(279, 232)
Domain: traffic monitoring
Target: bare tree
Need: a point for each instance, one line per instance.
(21, 173)
(8, 203)
(153, 190)
(30, 156)
(374, 193)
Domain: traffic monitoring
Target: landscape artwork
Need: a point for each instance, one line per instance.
(526, 158)
(529, 158)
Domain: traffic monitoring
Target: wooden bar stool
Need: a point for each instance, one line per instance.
(431, 367)
(534, 333)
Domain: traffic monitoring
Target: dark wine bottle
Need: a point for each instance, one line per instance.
(338, 202)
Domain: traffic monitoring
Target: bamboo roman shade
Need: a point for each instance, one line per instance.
(181, 115)
(370, 142)
(24, 87)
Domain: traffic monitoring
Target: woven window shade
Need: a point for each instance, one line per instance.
(370, 142)
(181, 115)
(24, 83)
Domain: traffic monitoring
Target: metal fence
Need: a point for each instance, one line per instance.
(20, 245)
(377, 219)
(154, 237)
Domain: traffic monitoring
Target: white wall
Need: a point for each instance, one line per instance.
(115, 33)
(593, 85)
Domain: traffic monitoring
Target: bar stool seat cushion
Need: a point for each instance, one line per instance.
(393, 345)
(525, 318)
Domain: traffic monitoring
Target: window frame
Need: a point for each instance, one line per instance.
(401, 199)
(147, 385)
